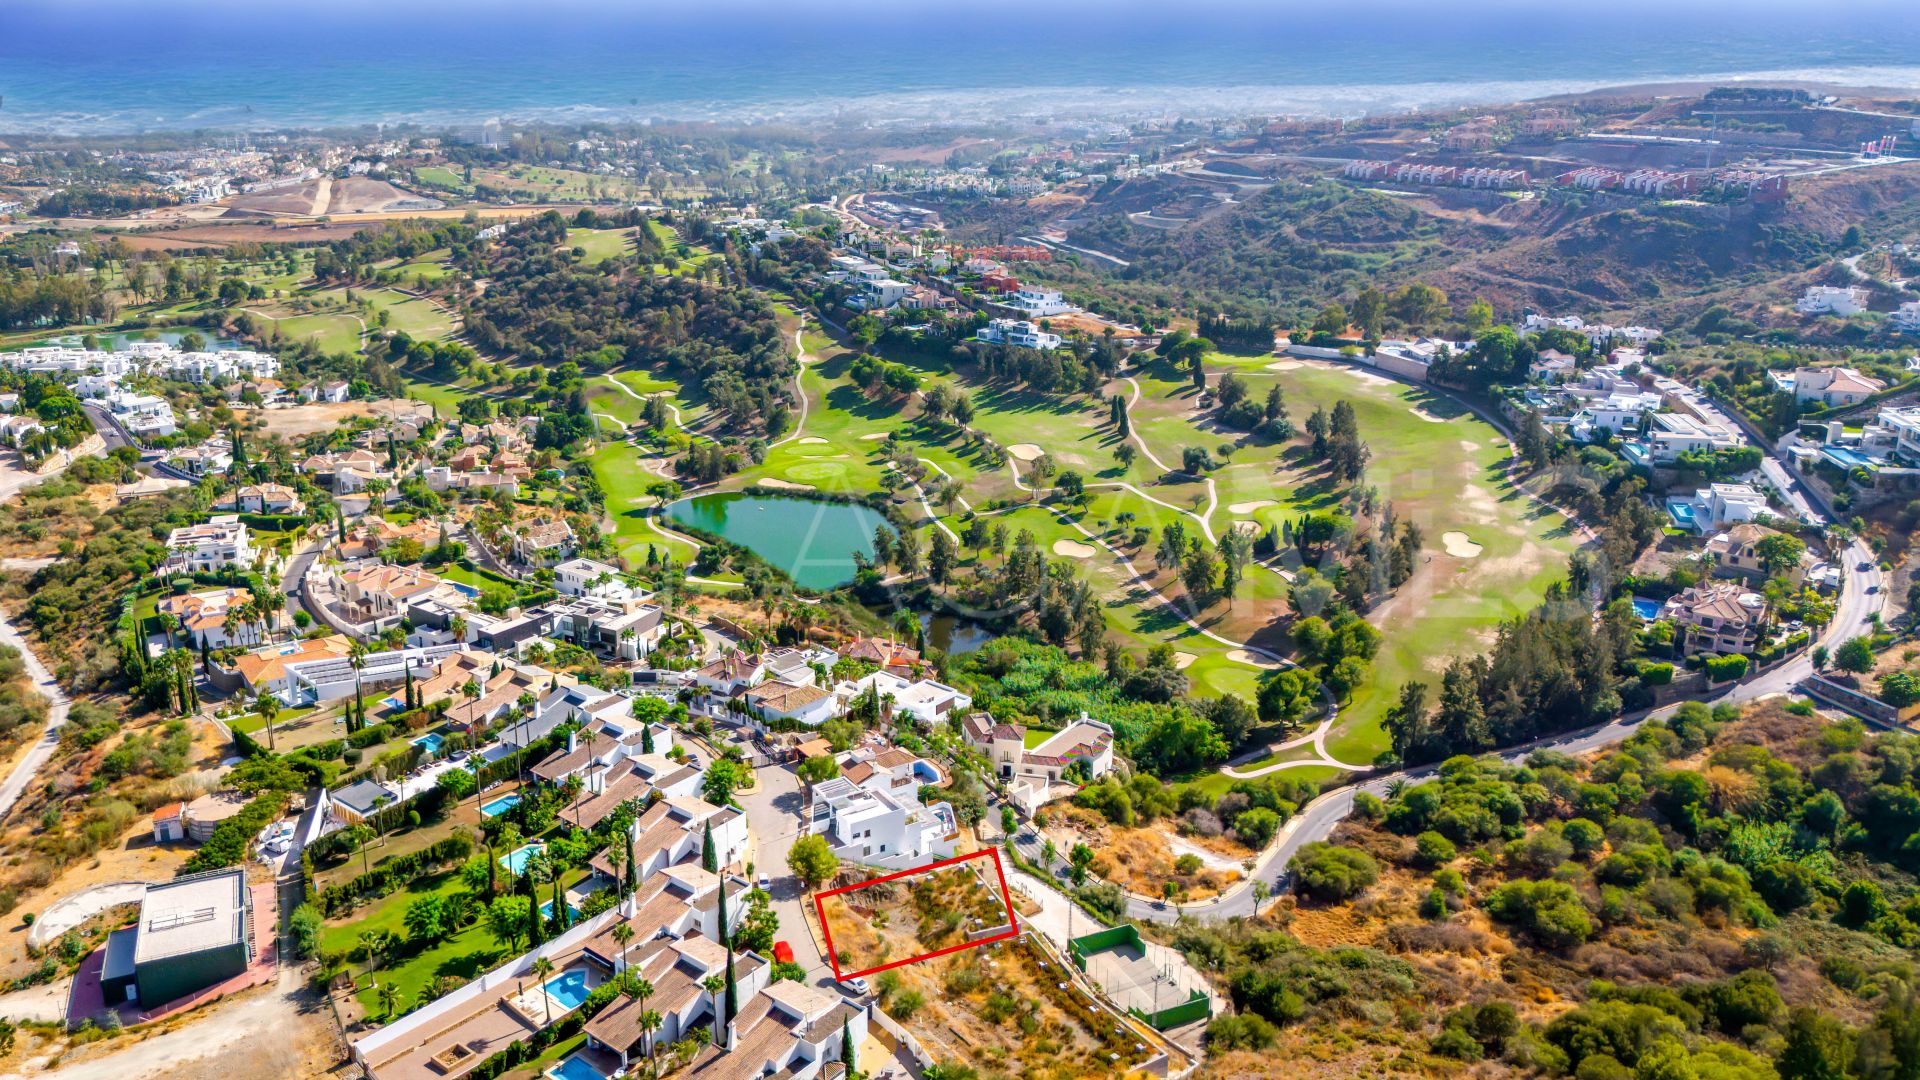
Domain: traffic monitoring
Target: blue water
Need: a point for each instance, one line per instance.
(500, 805)
(517, 859)
(433, 742)
(570, 989)
(1681, 513)
(128, 65)
(546, 911)
(576, 1067)
(1648, 610)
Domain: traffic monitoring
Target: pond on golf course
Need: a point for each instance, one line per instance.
(812, 541)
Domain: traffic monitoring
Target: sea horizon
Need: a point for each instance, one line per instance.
(85, 69)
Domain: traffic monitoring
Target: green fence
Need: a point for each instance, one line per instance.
(1197, 1007)
(1100, 941)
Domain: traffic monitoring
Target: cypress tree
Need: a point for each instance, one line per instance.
(633, 880)
(646, 739)
(560, 914)
(846, 1046)
(709, 859)
(732, 989)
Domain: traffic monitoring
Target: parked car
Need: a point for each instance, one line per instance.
(857, 984)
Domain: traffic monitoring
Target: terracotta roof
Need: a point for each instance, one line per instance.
(785, 697)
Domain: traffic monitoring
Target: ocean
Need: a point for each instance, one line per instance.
(111, 66)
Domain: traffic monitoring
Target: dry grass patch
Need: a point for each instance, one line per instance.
(1143, 860)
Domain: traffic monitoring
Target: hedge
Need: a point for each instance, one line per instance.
(368, 736)
(1656, 674)
(389, 875)
(228, 844)
(1726, 668)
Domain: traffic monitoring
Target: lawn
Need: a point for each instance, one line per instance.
(418, 318)
(330, 333)
(601, 244)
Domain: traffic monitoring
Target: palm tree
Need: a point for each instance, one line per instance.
(526, 701)
(650, 1023)
(713, 985)
(389, 994)
(543, 967)
(622, 932)
(268, 707)
(168, 622)
(357, 657)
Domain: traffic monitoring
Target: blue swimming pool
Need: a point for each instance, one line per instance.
(431, 742)
(501, 805)
(546, 912)
(576, 1067)
(570, 989)
(1682, 514)
(516, 860)
(1648, 610)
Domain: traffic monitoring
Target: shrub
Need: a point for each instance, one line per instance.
(1549, 910)
(1329, 872)
(1256, 827)
(1432, 849)
(1726, 668)
(1242, 1032)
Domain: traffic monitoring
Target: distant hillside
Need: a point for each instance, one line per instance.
(1302, 242)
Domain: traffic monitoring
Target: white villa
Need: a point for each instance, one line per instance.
(215, 545)
(1018, 332)
(880, 828)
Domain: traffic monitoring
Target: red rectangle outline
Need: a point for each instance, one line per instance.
(833, 958)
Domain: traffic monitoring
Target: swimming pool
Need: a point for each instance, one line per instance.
(516, 860)
(1648, 610)
(546, 912)
(500, 805)
(1682, 514)
(431, 742)
(570, 989)
(576, 1067)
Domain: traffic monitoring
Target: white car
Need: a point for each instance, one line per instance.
(857, 984)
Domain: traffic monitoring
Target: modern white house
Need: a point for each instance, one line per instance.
(879, 828)
(1018, 332)
(925, 700)
(1906, 317)
(1717, 506)
(214, 545)
(1038, 303)
(1841, 300)
(589, 577)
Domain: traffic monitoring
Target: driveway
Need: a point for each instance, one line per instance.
(773, 813)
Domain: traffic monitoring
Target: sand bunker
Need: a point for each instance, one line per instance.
(874, 437)
(1469, 446)
(813, 440)
(1459, 546)
(1025, 451)
(1249, 527)
(1250, 507)
(1242, 656)
(1183, 660)
(1370, 377)
(1427, 416)
(1074, 549)
(1284, 365)
(785, 485)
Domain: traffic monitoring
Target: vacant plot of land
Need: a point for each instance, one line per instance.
(297, 420)
(888, 922)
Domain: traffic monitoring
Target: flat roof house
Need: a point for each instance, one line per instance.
(214, 545)
(880, 828)
(193, 932)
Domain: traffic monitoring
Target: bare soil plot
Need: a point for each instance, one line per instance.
(1144, 860)
(298, 420)
(895, 921)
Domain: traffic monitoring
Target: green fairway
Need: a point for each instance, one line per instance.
(601, 244)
